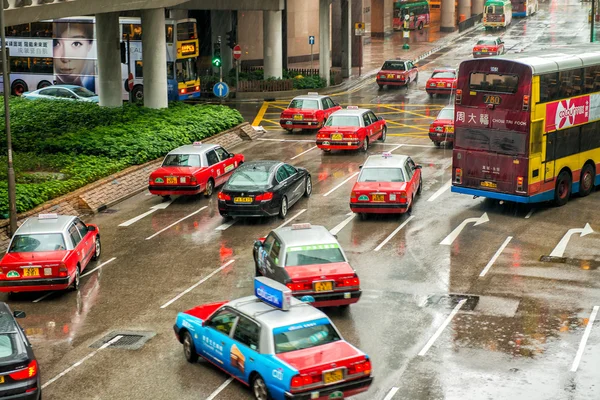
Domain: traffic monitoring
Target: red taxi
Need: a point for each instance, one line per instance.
(308, 112)
(48, 252)
(442, 81)
(387, 184)
(310, 261)
(442, 129)
(488, 46)
(351, 129)
(192, 169)
(397, 73)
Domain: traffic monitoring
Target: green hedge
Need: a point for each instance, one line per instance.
(62, 146)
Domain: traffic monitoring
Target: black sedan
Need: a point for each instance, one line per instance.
(263, 188)
(19, 375)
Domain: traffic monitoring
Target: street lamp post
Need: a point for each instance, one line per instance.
(12, 207)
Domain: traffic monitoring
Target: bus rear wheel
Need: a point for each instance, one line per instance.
(43, 84)
(562, 192)
(586, 182)
(138, 93)
(18, 87)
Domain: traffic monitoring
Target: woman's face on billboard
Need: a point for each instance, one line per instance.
(71, 50)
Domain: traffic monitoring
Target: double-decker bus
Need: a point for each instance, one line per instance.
(497, 14)
(527, 126)
(524, 8)
(418, 12)
(63, 51)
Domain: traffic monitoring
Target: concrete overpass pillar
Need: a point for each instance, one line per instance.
(272, 44)
(464, 8)
(324, 39)
(346, 38)
(155, 58)
(477, 7)
(448, 17)
(110, 80)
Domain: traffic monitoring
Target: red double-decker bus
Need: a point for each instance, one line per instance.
(527, 126)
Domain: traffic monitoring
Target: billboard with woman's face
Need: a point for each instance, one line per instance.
(74, 52)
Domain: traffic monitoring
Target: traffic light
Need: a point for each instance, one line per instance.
(231, 39)
(216, 61)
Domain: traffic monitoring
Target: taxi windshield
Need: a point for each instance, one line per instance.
(486, 42)
(315, 254)
(393, 65)
(304, 338)
(304, 104)
(446, 113)
(181, 160)
(381, 175)
(343, 120)
(37, 242)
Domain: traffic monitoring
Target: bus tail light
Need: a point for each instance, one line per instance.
(502, 20)
(525, 103)
(520, 183)
(458, 96)
(458, 175)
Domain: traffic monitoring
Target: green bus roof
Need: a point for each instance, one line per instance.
(409, 4)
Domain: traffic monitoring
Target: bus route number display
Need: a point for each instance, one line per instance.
(188, 49)
(490, 99)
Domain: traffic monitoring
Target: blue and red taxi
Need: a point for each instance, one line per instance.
(48, 252)
(387, 184)
(310, 261)
(308, 112)
(441, 129)
(193, 169)
(488, 46)
(279, 346)
(351, 129)
(442, 81)
(397, 73)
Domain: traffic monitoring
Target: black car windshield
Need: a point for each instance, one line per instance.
(394, 65)
(7, 346)
(83, 92)
(343, 120)
(305, 104)
(250, 177)
(314, 254)
(37, 242)
(446, 113)
(381, 175)
(304, 338)
(444, 74)
(182, 160)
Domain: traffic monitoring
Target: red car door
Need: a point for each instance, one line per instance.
(226, 163)
(88, 242)
(331, 107)
(376, 124)
(215, 167)
(80, 248)
(369, 128)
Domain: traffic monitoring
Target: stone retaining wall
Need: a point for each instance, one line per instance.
(117, 187)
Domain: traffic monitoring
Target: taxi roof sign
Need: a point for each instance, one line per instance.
(313, 93)
(272, 293)
(48, 216)
(197, 143)
(386, 154)
(352, 108)
(305, 225)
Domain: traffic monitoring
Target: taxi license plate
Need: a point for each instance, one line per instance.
(298, 117)
(1, 379)
(31, 272)
(441, 84)
(484, 50)
(242, 200)
(378, 197)
(449, 128)
(323, 286)
(333, 376)
(171, 180)
(391, 76)
(492, 185)
(337, 136)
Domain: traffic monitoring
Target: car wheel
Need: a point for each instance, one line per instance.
(283, 208)
(437, 144)
(363, 216)
(18, 87)
(76, 281)
(97, 249)
(289, 130)
(226, 217)
(210, 186)
(562, 192)
(259, 389)
(138, 93)
(308, 187)
(383, 134)
(365, 145)
(431, 95)
(407, 83)
(43, 84)
(189, 350)
(420, 189)
(420, 26)
(380, 87)
(326, 151)
(586, 182)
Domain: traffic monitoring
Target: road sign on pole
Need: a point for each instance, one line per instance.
(221, 89)
(359, 28)
(311, 40)
(237, 52)
(130, 81)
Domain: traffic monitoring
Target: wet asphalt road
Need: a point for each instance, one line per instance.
(512, 324)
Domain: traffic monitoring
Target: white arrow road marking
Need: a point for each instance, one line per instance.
(157, 207)
(391, 235)
(340, 185)
(175, 223)
(495, 257)
(442, 327)
(304, 152)
(440, 191)
(560, 248)
(586, 335)
(225, 225)
(454, 234)
(219, 389)
(342, 224)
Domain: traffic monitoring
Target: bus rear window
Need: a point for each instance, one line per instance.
(493, 82)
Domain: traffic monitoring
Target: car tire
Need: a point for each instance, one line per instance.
(383, 134)
(308, 187)
(97, 249)
(289, 130)
(420, 189)
(77, 281)
(189, 349)
(562, 191)
(365, 145)
(137, 93)
(18, 87)
(259, 388)
(431, 95)
(380, 87)
(437, 144)
(586, 182)
(420, 26)
(283, 208)
(326, 151)
(43, 84)
(363, 216)
(210, 188)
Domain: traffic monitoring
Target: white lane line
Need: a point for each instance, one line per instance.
(391, 393)
(495, 257)
(175, 223)
(340, 185)
(440, 191)
(396, 148)
(160, 206)
(288, 140)
(225, 225)
(219, 389)
(43, 297)
(442, 327)
(200, 282)
(391, 235)
(78, 363)
(529, 213)
(407, 145)
(99, 266)
(287, 221)
(304, 152)
(586, 335)
(342, 224)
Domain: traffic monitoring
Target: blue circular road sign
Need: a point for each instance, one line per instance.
(221, 89)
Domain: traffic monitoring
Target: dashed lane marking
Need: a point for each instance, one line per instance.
(340, 185)
(586, 335)
(440, 191)
(391, 235)
(304, 152)
(219, 389)
(495, 257)
(441, 328)
(175, 223)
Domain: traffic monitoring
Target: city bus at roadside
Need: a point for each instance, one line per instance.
(524, 8)
(497, 13)
(526, 129)
(418, 12)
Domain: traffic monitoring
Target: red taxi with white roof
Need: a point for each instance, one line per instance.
(351, 129)
(310, 261)
(397, 73)
(308, 112)
(442, 129)
(193, 169)
(387, 184)
(488, 46)
(48, 252)
(442, 81)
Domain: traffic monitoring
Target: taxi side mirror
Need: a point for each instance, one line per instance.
(91, 229)
(418, 166)
(360, 167)
(19, 314)
(379, 118)
(258, 243)
(231, 155)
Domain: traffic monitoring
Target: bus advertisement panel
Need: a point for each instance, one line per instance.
(527, 126)
(418, 12)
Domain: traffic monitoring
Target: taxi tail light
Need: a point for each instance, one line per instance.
(300, 381)
(299, 286)
(458, 96)
(26, 373)
(458, 175)
(224, 196)
(264, 197)
(520, 183)
(403, 198)
(353, 197)
(348, 282)
(363, 367)
(193, 179)
(525, 103)
(62, 270)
